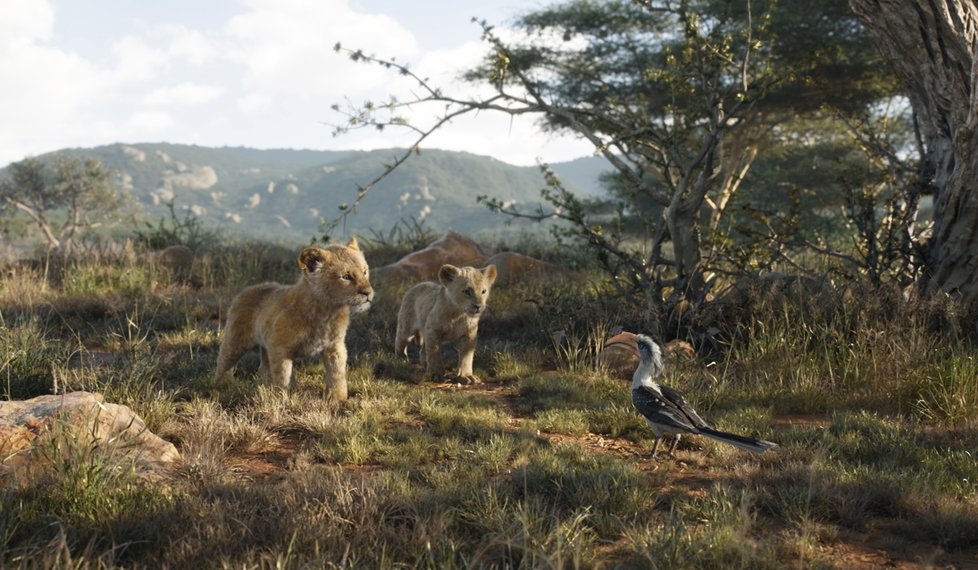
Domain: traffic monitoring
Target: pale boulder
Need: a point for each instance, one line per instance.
(461, 251)
(31, 429)
(424, 264)
(619, 355)
(511, 266)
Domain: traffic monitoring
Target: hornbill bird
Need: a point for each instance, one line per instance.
(665, 409)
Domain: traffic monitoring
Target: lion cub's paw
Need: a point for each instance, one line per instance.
(467, 379)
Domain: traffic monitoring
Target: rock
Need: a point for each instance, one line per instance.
(619, 354)
(458, 250)
(177, 259)
(679, 351)
(510, 265)
(28, 427)
(424, 264)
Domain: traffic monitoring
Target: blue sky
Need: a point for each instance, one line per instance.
(258, 73)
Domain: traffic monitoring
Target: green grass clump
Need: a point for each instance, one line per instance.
(80, 494)
(867, 467)
(528, 534)
(614, 492)
(716, 531)
(948, 389)
(123, 280)
(460, 415)
(29, 355)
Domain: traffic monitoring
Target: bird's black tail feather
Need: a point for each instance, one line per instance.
(743, 442)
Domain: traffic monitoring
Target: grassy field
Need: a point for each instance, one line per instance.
(874, 402)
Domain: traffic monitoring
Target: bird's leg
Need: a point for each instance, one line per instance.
(655, 446)
(674, 444)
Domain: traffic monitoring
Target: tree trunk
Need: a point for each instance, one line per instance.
(682, 221)
(42, 223)
(932, 46)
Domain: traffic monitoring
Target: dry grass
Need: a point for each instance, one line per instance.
(874, 402)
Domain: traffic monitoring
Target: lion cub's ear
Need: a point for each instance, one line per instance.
(313, 259)
(448, 273)
(490, 273)
(352, 244)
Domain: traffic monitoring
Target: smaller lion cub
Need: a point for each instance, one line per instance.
(433, 314)
(293, 321)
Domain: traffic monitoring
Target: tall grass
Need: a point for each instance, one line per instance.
(713, 532)
(948, 388)
(29, 357)
(81, 504)
(422, 475)
(867, 353)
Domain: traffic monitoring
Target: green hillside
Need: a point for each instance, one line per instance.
(286, 193)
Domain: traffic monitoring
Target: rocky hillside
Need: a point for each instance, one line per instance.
(287, 193)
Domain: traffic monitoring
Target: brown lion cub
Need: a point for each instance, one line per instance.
(433, 314)
(308, 318)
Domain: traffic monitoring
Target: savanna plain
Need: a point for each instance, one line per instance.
(873, 400)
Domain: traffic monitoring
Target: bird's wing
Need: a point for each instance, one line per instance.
(677, 400)
(659, 410)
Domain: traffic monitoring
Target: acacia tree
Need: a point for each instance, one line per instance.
(656, 89)
(933, 47)
(62, 199)
(671, 107)
(678, 96)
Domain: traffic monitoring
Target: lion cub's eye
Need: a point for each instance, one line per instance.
(468, 291)
(347, 277)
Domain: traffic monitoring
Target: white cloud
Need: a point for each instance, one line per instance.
(265, 76)
(517, 142)
(287, 46)
(25, 21)
(254, 102)
(514, 139)
(136, 60)
(45, 89)
(150, 121)
(192, 45)
(444, 67)
(183, 94)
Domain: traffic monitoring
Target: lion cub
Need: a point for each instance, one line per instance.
(308, 318)
(434, 314)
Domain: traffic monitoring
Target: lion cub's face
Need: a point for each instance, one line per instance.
(338, 274)
(468, 287)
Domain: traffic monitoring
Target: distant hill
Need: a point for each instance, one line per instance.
(286, 193)
(583, 174)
